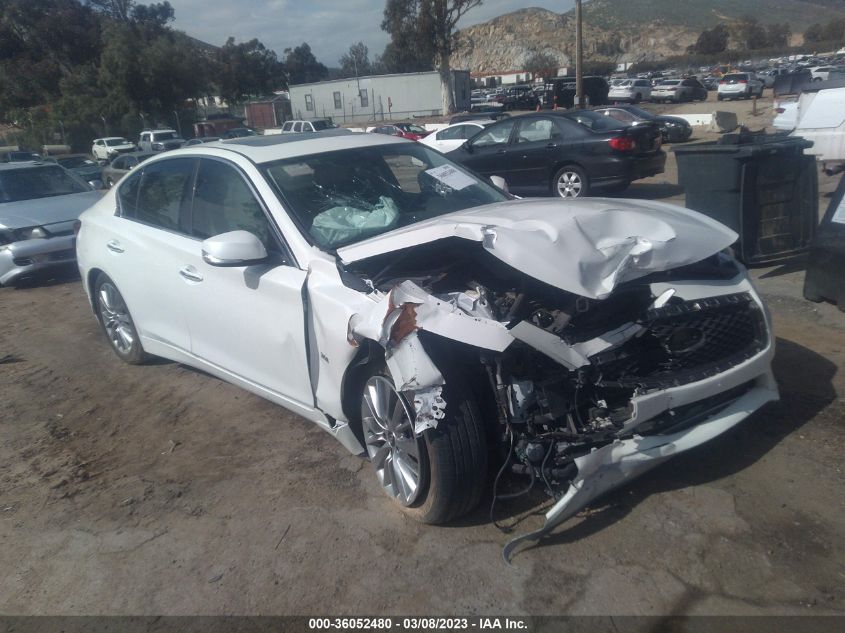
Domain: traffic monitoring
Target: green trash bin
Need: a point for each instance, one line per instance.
(760, 185)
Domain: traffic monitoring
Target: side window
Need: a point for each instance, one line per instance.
(297, 127)
(307, 127)
(365, 97)
(130, 162)
(451, 133)
(534, 131)
(100, 143)
(620, 115)
(495, 135)
(287, 126)
(165, 187)
(119, 162)
(338, 105)
(223, 202)
(309, 103)
(127, 195)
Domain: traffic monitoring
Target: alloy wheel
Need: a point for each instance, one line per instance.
(393, 447)
(569, 184)
(116, 319)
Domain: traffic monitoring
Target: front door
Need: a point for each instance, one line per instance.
(489, 152)
(246, 320)
(532, 153)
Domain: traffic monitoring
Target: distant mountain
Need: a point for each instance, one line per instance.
(617, 30)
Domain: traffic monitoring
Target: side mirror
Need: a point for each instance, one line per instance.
(235, 248)
(500, 182)
(467, 146)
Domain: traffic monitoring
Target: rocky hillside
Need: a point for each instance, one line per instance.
(616, 30)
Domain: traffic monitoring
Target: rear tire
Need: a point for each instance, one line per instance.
(450, 460)
(116, 322)
(570, 182)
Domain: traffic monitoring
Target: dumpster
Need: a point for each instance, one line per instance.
(760, 185)
(826, 259)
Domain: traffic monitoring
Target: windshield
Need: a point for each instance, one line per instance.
(595, 120)
(625, 84)
(736, 77)
(40, 182)
(670, 82)
(164, 136)
(111, 142)
(75, 161)
(639, 112)
(346, 196)
(413, 129)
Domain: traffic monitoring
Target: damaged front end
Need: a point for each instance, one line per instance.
(584, 392)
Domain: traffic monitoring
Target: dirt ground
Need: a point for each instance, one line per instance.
(161, 490)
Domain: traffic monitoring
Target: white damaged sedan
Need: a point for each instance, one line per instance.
(425, 318)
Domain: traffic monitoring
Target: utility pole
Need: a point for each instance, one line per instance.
(579, 56)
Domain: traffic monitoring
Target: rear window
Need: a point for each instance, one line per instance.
(736, 77)
(164, 136)
(595, 121)
(116, 141)
(39, 182)
(670, 82)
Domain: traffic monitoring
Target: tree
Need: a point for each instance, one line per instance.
(777, 35)
(711, 41)
(245, 69)
(356, 62)
(430, 24)
(751, 33)
(541, 65)
(302, 67)
(814, 33)
(411, 45)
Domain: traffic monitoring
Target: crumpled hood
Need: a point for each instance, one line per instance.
(586, 247)
(41, 211)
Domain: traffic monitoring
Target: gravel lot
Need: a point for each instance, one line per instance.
(161, 490)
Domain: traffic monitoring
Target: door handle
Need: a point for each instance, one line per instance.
(552, 146)
(114, 246)
(502, 151)
(190, 273)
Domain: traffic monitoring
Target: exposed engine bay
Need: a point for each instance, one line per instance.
(565, 377)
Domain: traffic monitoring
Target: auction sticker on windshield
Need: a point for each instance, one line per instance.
(451, 177)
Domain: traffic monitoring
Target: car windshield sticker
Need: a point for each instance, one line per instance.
(451, 177)
(839, 214)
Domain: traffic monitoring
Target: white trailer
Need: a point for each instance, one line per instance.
(378, 98)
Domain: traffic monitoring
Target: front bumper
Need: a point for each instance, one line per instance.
(29, 257)
(624, 459)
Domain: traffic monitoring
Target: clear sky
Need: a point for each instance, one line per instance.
(329, 26)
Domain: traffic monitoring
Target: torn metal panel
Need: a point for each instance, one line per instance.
(610, 466)
(430, 408)
(411, 367)
(586, 247)
(549, 344)
(443, 318)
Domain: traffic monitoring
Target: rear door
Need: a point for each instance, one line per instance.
(145, 244)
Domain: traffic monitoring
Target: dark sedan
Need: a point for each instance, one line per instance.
(567, 154)
(673, 129)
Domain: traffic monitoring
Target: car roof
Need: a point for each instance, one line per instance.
(26, 164)
(264, 149)
(110, 138)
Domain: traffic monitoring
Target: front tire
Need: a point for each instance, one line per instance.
(434, 477)
(571, 182)
(117, 323)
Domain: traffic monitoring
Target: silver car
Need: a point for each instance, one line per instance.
(39, 204)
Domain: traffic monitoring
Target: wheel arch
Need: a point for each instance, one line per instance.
(90, 280)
